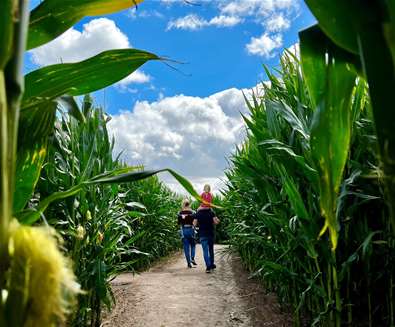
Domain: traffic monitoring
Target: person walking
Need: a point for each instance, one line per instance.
(185, 220)
(205, 218)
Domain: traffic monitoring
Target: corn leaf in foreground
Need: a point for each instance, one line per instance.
(53, 17)
(28, 170)
(331, 126)
(82, 77)
(29, 216)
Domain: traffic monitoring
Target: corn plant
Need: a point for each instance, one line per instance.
(152, 209)
(278, 182)
(106, 228)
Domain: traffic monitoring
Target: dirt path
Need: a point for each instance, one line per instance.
(171, 295)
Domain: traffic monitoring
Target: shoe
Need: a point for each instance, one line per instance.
(208, 270)
(194, 262)
(189, 265)
(213, 266)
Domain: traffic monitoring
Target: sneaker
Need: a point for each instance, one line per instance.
(189, 265)
(213, 266)
(194, 262)
(208, 270)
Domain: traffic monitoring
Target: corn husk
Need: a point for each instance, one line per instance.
(42, 287)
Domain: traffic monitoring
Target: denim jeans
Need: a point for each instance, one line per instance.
(208, 250)
(188, 242)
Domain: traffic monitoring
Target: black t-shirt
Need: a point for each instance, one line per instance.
(205, 218)
(185, 217)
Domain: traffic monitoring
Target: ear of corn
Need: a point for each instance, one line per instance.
(41, 282)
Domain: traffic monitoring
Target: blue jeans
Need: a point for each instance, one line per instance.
(208, 250)
(188, 242)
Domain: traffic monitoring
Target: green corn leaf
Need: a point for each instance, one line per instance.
(101, 283)
(379, 68)
(288, 114)
(28, 170)
(53, 17)
(294, 196)
(135, 176)
(82, 77)
(7, 30)
(124, 175)
(338, 19)
(331, 92)
(288, 158)
(35, 127)
(30, 216)
(69, 103)
(315, 44)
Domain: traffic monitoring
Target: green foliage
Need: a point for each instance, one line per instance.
(48, 20)
(107, 228)
(365, 30)
(26, 128)
(330, 84)
(273, 201)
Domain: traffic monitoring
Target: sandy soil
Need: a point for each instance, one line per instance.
(170, 295)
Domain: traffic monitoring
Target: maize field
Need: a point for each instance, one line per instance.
(310, 199)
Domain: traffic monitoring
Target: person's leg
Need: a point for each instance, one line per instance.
(186, 245)
(211, 251)
(193, 250)
(204, 241)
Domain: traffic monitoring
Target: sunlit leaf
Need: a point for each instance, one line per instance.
(82, 77)
(338, 18)
(331, 91)
(53, 17)
(28, 170)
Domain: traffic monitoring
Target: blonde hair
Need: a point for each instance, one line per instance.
(207, 188)
(186, 203)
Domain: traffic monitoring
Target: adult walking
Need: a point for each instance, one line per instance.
(205, 218)
(185, 220)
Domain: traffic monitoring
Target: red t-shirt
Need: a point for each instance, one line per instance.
(207, 198)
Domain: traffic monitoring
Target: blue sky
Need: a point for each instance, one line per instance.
(222, 46)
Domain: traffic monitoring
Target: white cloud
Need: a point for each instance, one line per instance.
(263, 8)
(265, 45)
(137, 77)
(97, 35)
(277, 23)
(135, 12)
(275, 16)
(194, 22)
(224, 21)
(192, 135)
(190, 22)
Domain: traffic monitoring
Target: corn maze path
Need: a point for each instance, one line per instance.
(171, 295)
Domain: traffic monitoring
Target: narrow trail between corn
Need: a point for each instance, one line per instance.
(171, 295)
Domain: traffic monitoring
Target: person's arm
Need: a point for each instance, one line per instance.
(215, 218)
(179, 218)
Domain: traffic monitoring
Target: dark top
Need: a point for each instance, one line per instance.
(205, 218)
(185, 217)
